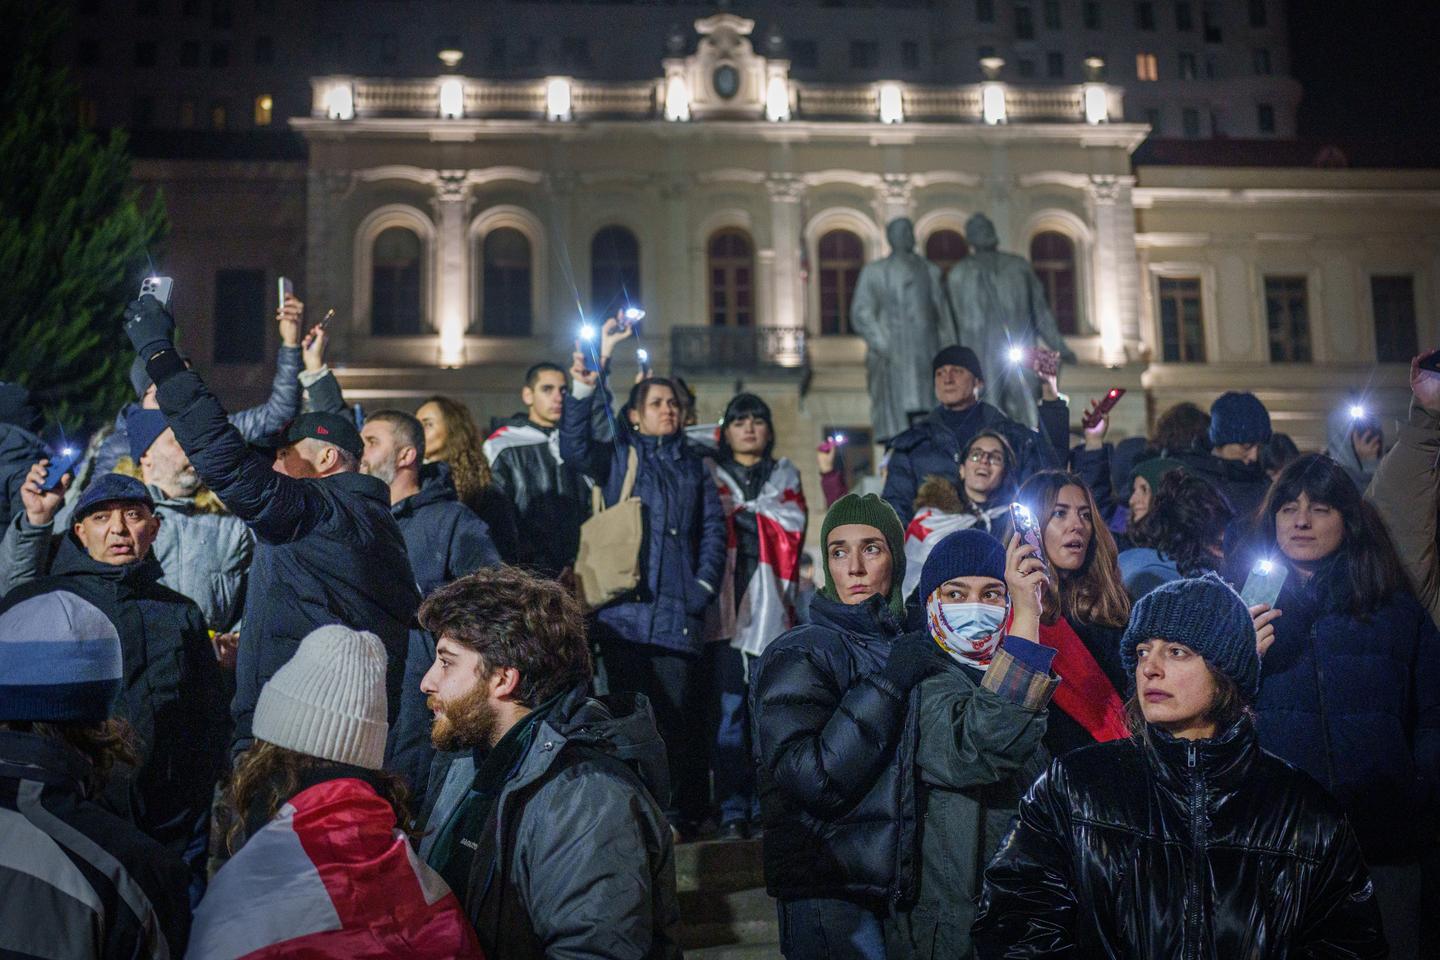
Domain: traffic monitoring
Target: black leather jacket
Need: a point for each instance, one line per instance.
(551, 501)
(1184, 849)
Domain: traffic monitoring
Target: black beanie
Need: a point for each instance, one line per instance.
(1207, 616)
(958, 356)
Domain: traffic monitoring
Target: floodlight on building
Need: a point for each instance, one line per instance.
(452, 98)
(1097, 103)
(777, 98)
(677, 97)
(990, 67)
(1094, 70)
(340, 101)
(452, 343)
(992, 102)
(451, 58)
(557, 98)
(891, 103)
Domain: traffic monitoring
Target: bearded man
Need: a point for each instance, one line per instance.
(551, 840)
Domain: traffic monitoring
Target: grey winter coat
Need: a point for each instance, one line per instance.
(978, 753)
(582, 864)
(206, 556)
(24, 552)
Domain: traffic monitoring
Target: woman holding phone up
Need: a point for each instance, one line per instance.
(1351, 688)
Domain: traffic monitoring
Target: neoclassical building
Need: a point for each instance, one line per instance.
(463, 228)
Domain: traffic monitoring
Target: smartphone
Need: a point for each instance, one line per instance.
(324, 320)
(588, 350)
(1045, 362)
(1431, 361)
(631, 317)
(1025, 525)
(643, 356)
(60, 464)
(1107, 403)
(159, 288)
(1266, 580)
(284, 287)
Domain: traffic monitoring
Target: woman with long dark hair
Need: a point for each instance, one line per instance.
(1185, 839)
(454, 455)
(1180, 535)
(1351, 689)
(651, 638)
(1085, 609)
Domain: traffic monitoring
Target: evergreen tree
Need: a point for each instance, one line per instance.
(73, 232)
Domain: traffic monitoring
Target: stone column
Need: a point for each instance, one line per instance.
(451, 316)
(561, 326)
(1112, 212)
(787, 305)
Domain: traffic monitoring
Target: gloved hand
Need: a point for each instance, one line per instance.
(149, 326)
(913, 658)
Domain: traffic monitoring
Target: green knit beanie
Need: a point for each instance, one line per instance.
(872, 512)
(1154, 470)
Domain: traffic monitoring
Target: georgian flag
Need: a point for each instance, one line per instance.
(522, 435)
(768, 606)
(329, 877)
(929, 527)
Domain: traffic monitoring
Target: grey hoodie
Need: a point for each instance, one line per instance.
(1339, 448)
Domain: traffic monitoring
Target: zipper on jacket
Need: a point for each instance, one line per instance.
(1193, 912)
(1324, 717)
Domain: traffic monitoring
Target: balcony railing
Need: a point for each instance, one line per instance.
(737, 349)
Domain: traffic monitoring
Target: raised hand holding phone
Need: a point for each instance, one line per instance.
(1425, 381)
(44, 490)
(290, 315)
(1025, 578)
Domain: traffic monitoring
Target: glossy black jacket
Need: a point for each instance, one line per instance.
(1184, 849)
(836, 765)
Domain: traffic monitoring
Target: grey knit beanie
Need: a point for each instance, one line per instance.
(1208, 617)
(328, 701)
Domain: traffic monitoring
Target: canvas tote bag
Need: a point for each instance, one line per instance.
(608, 562)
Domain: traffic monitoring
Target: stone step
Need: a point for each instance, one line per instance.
(719, 866)
(708, 906)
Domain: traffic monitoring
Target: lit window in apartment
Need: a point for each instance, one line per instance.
(1261, 57)
(1265, 118)
(219, 114)
(264, 110)
(1147, 66)
(1190, 122)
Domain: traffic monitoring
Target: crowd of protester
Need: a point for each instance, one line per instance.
(289, 682)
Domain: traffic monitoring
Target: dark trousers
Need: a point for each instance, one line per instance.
(731, 759)
(674, 684)
(822, 929)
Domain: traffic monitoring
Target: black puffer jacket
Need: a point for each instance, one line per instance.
(551, 498)
(836, 758)
(1195, 849)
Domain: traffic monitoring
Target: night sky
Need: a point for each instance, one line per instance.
(1371, 70)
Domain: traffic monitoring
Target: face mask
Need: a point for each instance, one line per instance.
(969, 632)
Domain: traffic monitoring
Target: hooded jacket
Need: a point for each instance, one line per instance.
(551, 496)
(88, 884)
(205, 556)
(173, 691)
(577, 858)
(835, 744)
(1243, 485)
(682, 555)
(1204, 849)
(1356, 704)
(932, 447)
(327, 550)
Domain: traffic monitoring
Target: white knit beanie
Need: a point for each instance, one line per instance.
(329, 700)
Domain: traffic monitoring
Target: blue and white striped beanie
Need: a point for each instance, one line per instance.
(59, 660)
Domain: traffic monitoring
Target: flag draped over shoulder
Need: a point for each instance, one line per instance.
(767, 607)
(929, 526)
(330, 876)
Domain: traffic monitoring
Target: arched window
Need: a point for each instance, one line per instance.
(614, 271)
(505, 303)
(732, 279)
(395, 272)
(841, 257)
(1052, 255)
(945, 248)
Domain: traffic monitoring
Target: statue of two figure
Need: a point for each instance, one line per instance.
(994, 302)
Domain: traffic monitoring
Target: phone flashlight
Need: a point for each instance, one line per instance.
(1016, 354)
(838, 439)
(643, 356)
(632, 314)
(1264, 567)
(1357, 412)
(587, 332)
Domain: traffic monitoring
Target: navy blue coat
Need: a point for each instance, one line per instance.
(835, 757)
(445, 540)
(1356, 705)
(174, 693)
(327, 550)
(683, 553)
(931, 447)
